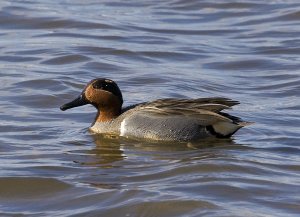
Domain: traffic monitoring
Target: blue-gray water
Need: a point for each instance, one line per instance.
(245, 50)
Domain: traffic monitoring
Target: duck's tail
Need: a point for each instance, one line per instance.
(226, 129)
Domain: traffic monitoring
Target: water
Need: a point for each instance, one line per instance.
(52, 166)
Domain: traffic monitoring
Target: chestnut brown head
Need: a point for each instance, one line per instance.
(101, 93)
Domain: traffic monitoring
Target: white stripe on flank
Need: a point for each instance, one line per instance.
(123, 128)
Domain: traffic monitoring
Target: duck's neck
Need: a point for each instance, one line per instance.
(106, 115)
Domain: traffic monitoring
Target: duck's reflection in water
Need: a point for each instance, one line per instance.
(109, 149)
(118, 161)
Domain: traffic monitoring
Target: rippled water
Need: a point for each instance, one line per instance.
(52, 166)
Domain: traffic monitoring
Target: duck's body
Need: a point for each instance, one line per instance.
(164, 119)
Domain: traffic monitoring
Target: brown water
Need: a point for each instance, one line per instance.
(52, 166)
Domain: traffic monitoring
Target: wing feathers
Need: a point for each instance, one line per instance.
(205, 110)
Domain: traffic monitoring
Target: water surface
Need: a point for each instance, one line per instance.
(246, 50)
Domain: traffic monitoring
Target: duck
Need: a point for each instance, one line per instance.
(167, 119)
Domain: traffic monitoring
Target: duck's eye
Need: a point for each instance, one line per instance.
(108, 86)
(102, 86)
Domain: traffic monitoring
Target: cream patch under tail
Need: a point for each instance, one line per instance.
(226, 129)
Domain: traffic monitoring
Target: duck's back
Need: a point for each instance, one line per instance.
(179, 120)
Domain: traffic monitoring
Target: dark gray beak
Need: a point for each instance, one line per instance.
(79, 101)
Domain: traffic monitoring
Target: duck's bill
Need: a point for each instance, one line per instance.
(79, 101)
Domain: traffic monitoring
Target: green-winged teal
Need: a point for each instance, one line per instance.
(162, 119)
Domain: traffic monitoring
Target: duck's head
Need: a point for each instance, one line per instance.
(102, 93)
